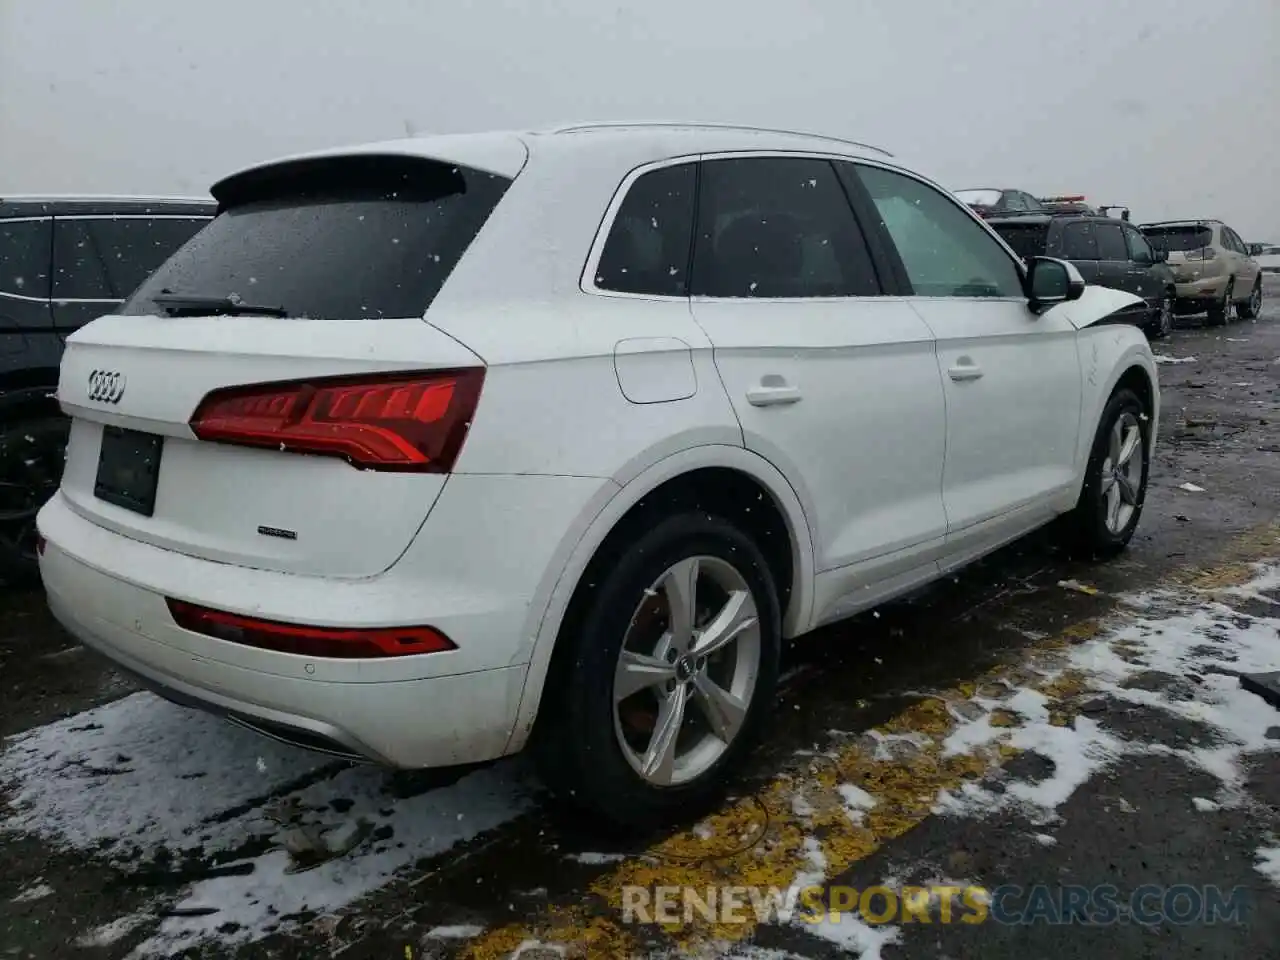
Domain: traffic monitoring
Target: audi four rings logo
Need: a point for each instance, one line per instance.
(106, 386)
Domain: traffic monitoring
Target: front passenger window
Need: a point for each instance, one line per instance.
(945, 252)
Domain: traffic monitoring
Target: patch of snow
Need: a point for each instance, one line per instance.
(1268, 863)
(457, 931)
(597, 859)
(854, 936)
(1165, 358)
(1205, 806)
(37, 891)
(140, 774)
(800, 805)
(856, 801)
(1191, 488)
(109, 933)
(1046, 839)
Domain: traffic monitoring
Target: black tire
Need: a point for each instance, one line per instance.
(1249, 309)
(1086, 525)
(32, 455)
(575, 744)
(1221, 309)
(1161, 322)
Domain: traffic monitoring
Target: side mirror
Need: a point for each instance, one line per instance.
(1050, 282)
(1253, 249)
(1159, 256)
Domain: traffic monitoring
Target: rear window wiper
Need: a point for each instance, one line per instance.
(176, 304)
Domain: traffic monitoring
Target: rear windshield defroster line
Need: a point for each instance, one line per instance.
(331, 238)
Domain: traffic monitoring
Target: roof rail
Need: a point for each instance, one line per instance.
(607, 124)
(1166, 223)
(96, 197)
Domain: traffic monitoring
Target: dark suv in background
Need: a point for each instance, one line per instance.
(1106, 251)
(63, 262)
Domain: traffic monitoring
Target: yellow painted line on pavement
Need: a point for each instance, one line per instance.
(766, 833)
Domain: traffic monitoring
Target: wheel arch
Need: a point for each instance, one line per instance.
(742, 482)
(1133, 367)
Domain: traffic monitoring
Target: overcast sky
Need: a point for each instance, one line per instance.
(1172, 107)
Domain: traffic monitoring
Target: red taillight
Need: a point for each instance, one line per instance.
(394, 422)
(334, 642)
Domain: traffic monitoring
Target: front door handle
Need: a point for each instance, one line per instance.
(965, 369)
(773, 392)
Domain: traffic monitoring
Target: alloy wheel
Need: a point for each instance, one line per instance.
(1122, 473)
(687, 671)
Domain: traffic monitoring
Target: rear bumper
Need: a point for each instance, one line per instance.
(477, 571)
(1202, 289)
(437, 721)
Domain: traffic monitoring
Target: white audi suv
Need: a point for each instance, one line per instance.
(425, 451)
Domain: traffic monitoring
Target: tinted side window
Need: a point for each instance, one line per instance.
(1110, 242)
(778, 227)
(133, 248)
(1231, 241)
(24, 257)
(1013, 201)
(1079, 242)
(1032, 203)
(1139, 249)
(649, 242)
(945, 252)
(79, 267)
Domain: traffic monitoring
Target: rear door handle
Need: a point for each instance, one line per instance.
(965, 369)
(773, 395)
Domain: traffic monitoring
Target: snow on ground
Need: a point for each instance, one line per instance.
(138, 775)
(126, 780)
(1269, 863)
(1200, 640)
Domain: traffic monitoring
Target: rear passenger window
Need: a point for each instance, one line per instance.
(1111, 243)
(24, 258)
(1079, 242)
(778, 227)
(647, 251)
(107, 258)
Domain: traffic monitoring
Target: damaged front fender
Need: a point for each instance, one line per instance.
(1101, 305)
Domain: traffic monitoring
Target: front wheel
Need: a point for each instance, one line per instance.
(667, 677)
(1115, 483)
(32, 455)
(1250, 309)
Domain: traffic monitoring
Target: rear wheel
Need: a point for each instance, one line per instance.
(32, 455)
(1250, 308)
(666, 678)
(1161, 324)
(1220, 311)
(1115, 484)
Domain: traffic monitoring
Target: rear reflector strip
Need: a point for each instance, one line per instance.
(342, 643)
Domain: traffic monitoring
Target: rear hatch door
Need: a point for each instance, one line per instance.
(314, 270)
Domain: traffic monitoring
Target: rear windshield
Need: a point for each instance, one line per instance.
(1026, 239)
(1179, 238)
(979, 198)
(340, 238)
